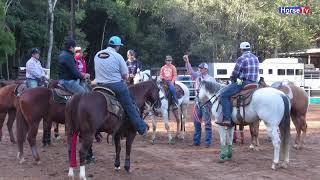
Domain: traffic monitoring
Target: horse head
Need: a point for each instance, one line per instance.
(141, 76)
(209, 89)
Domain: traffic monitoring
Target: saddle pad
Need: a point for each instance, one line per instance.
(113, 105)
(59, 96)
(179, 90)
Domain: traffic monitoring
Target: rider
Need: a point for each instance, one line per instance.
(246, 71)
(134, 65)
(201, 74)
(80, 61)
(112, 72)
(69, 76)
(168, 73)
(34, 72)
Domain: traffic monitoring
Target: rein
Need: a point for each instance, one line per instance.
(205, 103)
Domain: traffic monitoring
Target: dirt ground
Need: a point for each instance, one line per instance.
(179, 161)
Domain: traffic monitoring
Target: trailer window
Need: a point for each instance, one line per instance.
(270, 71)
(281, 72)
(260, 71)
(221, 71)
(290, 71)
(299, 72)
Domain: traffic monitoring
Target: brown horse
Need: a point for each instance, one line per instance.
(93, 112)
(7, 105)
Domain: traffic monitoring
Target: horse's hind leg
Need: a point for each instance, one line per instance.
(273, 133)
(254, 132)
(56, 131)
(32, 134)
(21, 131)
(176, 116)
(86, 143)
(241, 127)
(130, 138)
(154, 130)
(11, 118)
(297, 124)
(304, 129)
(2, 119)
(47, 124)
(166, 124)
(184, 114)
(118, 149)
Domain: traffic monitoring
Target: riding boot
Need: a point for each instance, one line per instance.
(90, 157)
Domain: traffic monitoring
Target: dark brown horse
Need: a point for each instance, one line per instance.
(88, 113)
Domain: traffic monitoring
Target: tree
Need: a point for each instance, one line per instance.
(51, 7)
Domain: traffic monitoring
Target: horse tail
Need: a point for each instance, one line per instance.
(285, 123)
(72, 128)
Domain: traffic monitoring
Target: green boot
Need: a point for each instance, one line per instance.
(229, 154)
(222, 156)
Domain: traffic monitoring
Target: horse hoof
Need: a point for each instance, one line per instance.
(22, 160)
(127, 168)
(38, 162)
(71, 173)
(153, 141)
(274, 166)
(284, 165)
(117, 168)
(57, 137)
(296, 146)
(170, 142)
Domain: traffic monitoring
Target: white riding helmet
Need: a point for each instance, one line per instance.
(245, 45)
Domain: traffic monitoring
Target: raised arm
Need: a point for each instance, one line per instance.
(190, 71)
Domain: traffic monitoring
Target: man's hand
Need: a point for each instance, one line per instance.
(87, 76)
(186, 58)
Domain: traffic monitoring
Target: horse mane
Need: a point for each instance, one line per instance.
(212, 87)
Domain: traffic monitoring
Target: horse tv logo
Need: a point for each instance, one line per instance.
(294, 10)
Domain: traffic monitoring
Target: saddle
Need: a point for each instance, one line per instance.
(178, 89)
(113, 105)
(19, 89)
(61, 95)
(242, 99)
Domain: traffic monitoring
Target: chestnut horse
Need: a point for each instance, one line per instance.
(88, 113)
(7, 105)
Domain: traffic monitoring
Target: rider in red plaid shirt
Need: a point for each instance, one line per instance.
(247, 71)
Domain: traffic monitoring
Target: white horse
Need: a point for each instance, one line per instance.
(268, 104)
(182, 104)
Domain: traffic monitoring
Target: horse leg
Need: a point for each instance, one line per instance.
(154, 129)
(86, 143)
(235, 137)
(184, 114)
(223, 141)
(304, 129)
(176, 116)
(2, 118)
(166, 124)
(273, 133)
(129, 141)
(230, 133)
(21, 131)
(56, 131)
(254, 132)
(297, 124)
(47, 124)
(11, 118)
(241, 127)
(118, 149)
(32, 134)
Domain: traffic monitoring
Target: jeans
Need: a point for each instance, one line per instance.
(172, 91)
(32, 83)
(204, 113)
(229, 91)
(73, 86)
(126, 101)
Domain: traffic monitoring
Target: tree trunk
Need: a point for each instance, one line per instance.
(104, 30)
(72, 20)
(7, 61)
(51, 6)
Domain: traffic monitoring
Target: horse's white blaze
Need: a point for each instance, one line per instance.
(82, 173)
(266, 104)
(70, 173)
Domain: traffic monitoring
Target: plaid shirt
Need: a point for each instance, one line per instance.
(247, 67)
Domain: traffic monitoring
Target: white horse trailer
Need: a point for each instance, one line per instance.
(274, 69)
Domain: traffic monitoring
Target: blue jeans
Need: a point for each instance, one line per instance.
(204, 113)
(229, 91)
(123, 95)
(32, 83)
(73, 86)
(172, 91)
